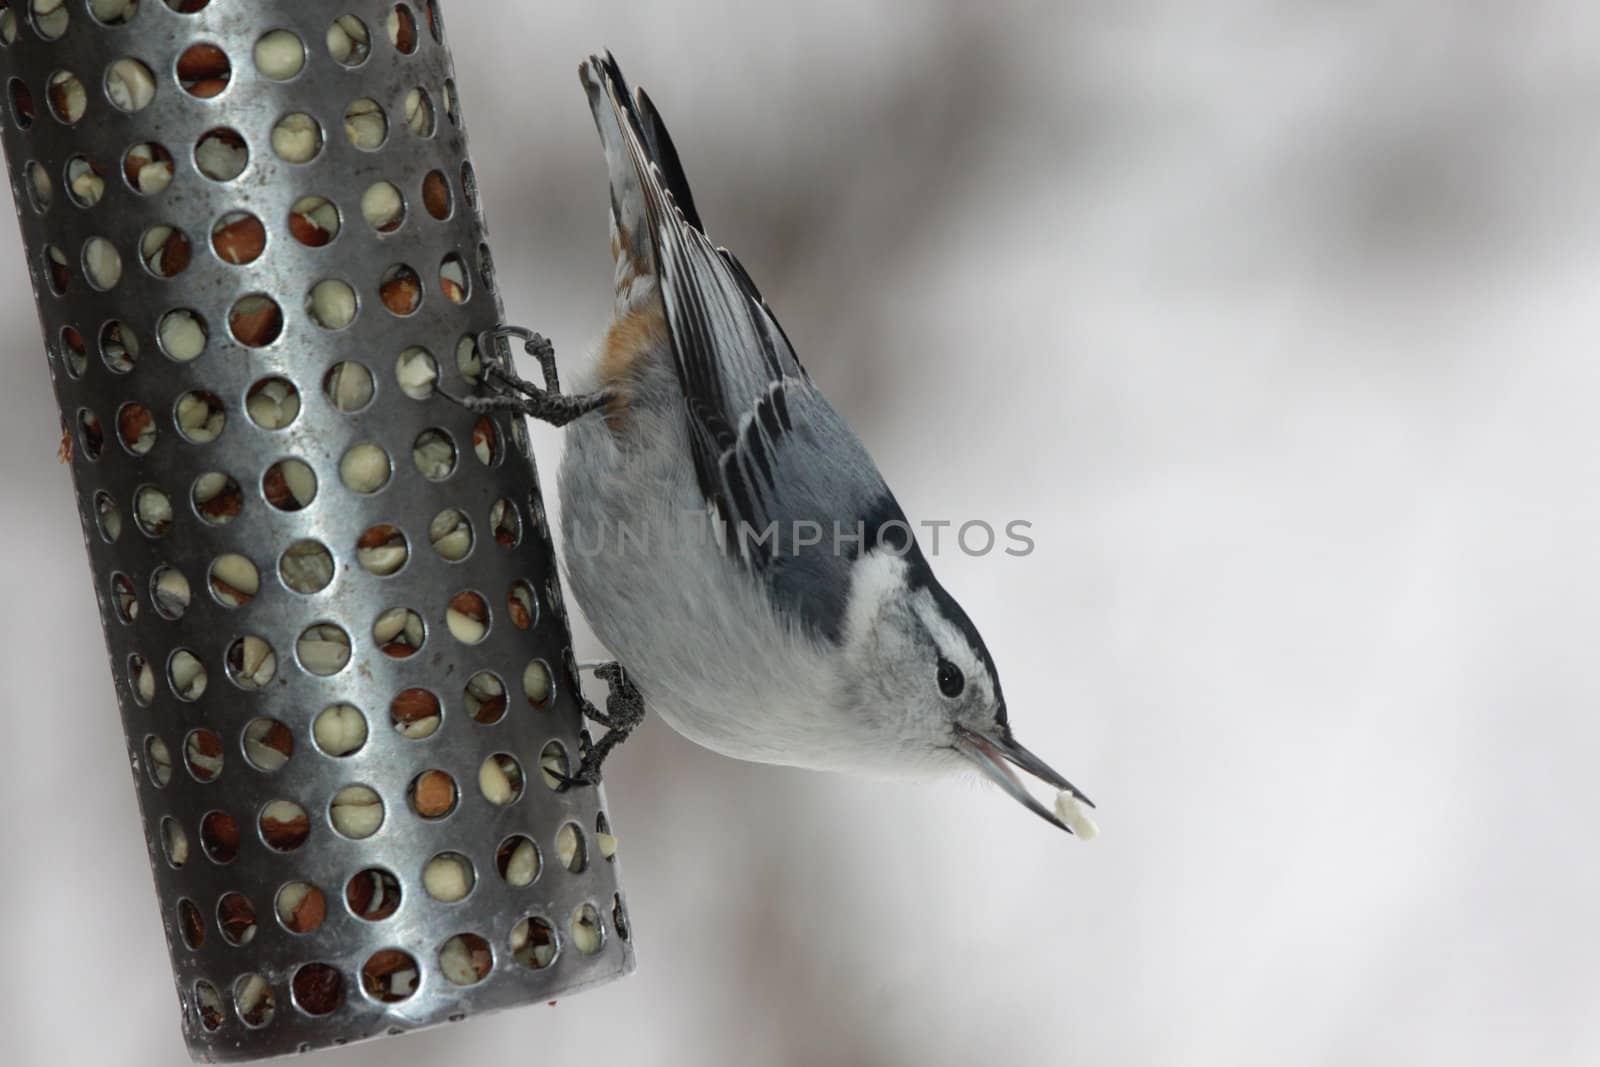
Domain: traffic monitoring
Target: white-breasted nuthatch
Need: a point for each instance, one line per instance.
(799, 623)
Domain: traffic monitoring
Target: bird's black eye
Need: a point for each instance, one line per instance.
(951, 680)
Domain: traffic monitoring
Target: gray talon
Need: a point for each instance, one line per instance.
(624, 711)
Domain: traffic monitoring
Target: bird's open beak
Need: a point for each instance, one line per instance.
(993, 751)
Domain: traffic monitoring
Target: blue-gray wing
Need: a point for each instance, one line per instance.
(796, 494)
(803, 500)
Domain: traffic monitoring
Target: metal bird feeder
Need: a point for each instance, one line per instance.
(329, 592)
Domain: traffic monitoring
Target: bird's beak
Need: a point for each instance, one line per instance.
(993, 751)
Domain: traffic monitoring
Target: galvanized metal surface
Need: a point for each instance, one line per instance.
(101, 382)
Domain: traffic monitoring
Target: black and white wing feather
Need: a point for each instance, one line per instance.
(771, 455)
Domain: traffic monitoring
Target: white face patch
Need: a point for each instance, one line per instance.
(953, 644)
(877, 577)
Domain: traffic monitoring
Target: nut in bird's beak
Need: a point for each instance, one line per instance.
(996, 750)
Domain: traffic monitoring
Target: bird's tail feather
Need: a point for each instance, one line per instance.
(613, 106)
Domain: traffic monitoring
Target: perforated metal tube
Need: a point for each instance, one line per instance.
(257, 254)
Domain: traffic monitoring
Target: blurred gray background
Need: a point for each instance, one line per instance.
(1278, 321)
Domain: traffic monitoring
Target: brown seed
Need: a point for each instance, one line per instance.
(229, 594)
(256, 327)
(306, 231)
(405, 38)
(60, 100)
(382, 965)
(224, 505)
(201, 61)
(194, 927)
(309, 915)
(279, 738)
(132, 422)
(60, 274)
(288, 834)
(377, 536)
(23, 99)
(414, 704)
(208, 87)
(490, 710)
(359, 891)
(435, 794)
(222, 831)
(317, 988)
(174, 255)
(241, 241)
(471, 605)
(401, 294)
(519, 613)
(452, 290)
(276, 488)
(235, 916)
(436, 195)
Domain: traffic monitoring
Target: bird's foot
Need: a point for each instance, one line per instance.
(511, 393)
(624, 711)
(534, 344)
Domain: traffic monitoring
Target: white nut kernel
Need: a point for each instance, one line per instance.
(221, 156)
(365, 124)
(102, 262)
(1069, 811)
(323, 649)
(130, 85)
(171, 593)
(523, 865)
(306, 566)
(255, 663)
(365, 468)
(340, 730)
(234, 579)
(273, 404)
(586, 931)
(188, 675)
(569, 848)
(296, 138)
(279, 55)
(348, 40)
(456, 963)
(113, 11)
(147, 168)
(349, 385)
(263, 746)
(382, 206)
(495, 781)
(333, 304)
(417, 372)
(450, 534)
(146, 683)
(357, 811)
(447, 878)
(198, 419)
(419, 113)
(182, 336)
(434, 455)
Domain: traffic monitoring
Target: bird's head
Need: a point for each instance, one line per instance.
(920, 675)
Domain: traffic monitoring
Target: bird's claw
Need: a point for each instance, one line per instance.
(512, 393)
(534, 344)
(624, 711)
